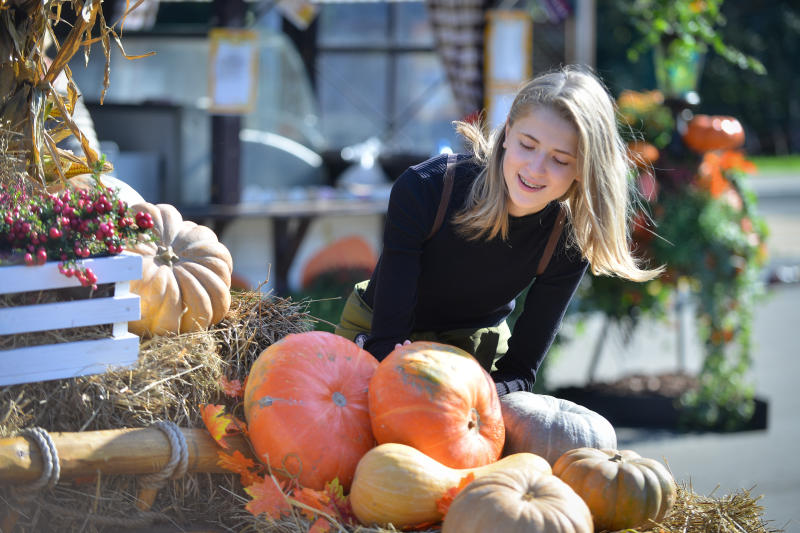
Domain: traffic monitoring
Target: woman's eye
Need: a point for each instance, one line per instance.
(527, 146)
(563, 163)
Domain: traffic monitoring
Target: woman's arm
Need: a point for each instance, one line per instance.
(412, 208)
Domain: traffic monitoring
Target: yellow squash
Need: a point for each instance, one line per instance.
(399, 485)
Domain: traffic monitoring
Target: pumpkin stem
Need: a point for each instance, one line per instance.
(165, 255)
(339, 399)
(617, 458)
(475, 419)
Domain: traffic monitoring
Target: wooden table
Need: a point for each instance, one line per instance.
(290, 218)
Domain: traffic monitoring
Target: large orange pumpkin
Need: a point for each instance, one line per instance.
(713, 132)
(439, 400)
(306, 407)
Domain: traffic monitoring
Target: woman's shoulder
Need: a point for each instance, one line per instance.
(429, 174)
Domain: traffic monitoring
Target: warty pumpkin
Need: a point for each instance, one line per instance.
(305, 402)
(399, 485)
(511, 500)
(186, 275)
(622, 489)
(713, 132)
(438, 399)
(549, 426)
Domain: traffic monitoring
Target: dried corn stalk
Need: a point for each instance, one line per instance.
(33, 115)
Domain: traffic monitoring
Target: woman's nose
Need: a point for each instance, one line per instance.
(536, 162)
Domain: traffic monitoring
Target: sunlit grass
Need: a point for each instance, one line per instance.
(771, 165)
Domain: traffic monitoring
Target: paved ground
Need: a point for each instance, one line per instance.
(764, 462)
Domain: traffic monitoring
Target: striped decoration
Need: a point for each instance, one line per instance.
(458, 28)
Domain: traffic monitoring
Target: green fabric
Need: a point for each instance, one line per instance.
(486, 344)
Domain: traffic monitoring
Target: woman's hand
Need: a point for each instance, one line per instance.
(405, 343)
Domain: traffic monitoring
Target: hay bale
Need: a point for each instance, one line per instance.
(173, 376)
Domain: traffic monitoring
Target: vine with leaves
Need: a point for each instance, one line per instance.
(699, 218)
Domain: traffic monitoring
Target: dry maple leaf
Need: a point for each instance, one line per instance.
(267, 497)
(237, 463)
(341, 502)
(443, 503)
(314, 499)
(321, 525)
(232, 388)
(219, 424)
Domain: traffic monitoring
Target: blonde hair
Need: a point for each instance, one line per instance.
(599, 204)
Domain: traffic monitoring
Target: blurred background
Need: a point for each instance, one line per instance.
(282, 125)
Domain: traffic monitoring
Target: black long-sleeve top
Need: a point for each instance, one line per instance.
(449, 282)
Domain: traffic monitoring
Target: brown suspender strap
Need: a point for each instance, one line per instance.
(446, 191)
(551, 242)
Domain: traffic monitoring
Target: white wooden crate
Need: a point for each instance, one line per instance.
(70, 359)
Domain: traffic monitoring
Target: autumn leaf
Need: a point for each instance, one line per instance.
(321, 525)
(237, 463)
(219, 424)
(232, 388)
(335, 492)
(268, 498)
(443, 503)
(313, 499)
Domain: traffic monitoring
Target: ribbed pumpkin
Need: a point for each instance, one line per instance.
(713, 132)
(438, 399)
(186, 275)
(622, 489)
(399, 485)
(518, 501)
(549, 426)
(306, 407)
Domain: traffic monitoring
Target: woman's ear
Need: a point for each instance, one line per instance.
(506, 129)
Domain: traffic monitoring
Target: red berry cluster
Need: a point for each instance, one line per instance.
(70, 225)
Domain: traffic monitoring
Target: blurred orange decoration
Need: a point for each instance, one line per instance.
(713, 132)
(643, 153)
(710, 174)
(350, 252)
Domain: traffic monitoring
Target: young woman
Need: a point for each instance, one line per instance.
(558, 157)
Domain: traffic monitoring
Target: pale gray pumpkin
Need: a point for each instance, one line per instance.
(549, 426)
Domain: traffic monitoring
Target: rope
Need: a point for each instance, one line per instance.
(175, 468)
(51, 466)
(178, 461)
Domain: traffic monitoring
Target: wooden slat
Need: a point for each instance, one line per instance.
(70, 359)
(113, 451)
(72, 314)
(20, 278)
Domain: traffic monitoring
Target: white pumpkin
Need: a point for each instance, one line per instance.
(549, 426)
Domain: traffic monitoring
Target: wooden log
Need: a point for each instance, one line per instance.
(113, 451)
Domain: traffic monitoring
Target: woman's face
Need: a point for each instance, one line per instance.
(540, 161)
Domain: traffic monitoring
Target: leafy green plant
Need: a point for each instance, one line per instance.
(327, 294)
(701, 222)
(682, 27)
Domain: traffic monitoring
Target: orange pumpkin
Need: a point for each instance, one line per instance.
(713, 132)
(439, 400)
(622, 489)
(306, 407)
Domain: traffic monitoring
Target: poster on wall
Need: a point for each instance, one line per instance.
(508, 59)
(232, 70)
